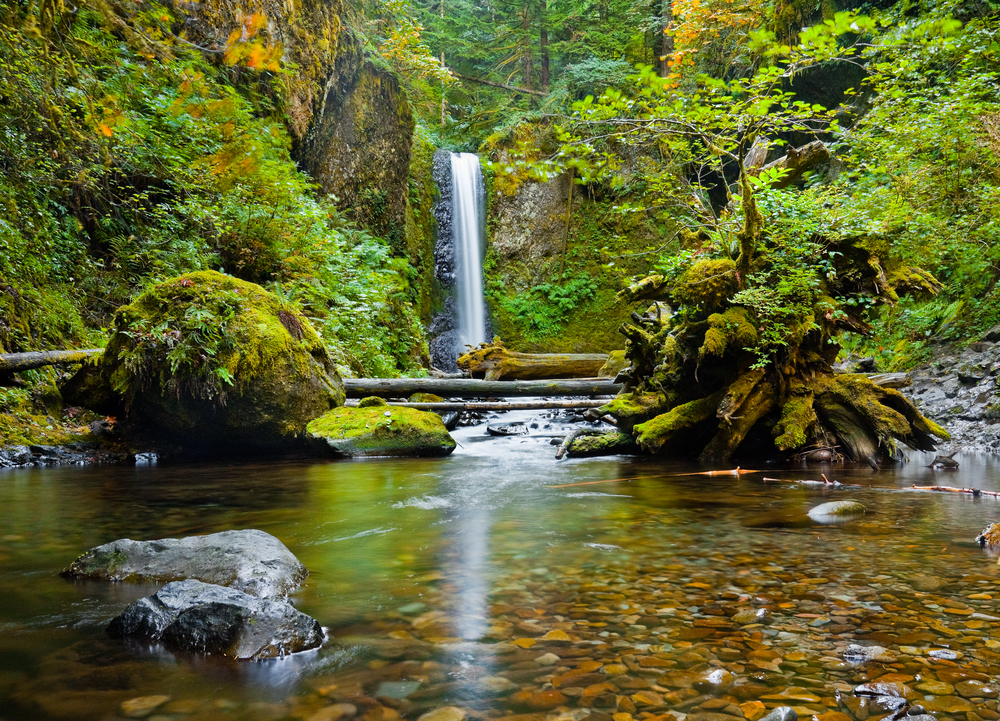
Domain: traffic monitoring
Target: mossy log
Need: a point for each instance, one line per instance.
(494, 361)
(478, 388)
(16, 362)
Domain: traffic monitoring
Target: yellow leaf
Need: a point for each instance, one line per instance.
(524, 642)
(106, 130)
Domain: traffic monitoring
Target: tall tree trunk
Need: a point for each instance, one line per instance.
(543, 45)
(667, 41)
(526, 27)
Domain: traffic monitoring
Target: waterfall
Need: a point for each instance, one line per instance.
(468, 221)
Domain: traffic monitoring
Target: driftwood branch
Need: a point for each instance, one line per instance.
(15, 362)
(492, 84)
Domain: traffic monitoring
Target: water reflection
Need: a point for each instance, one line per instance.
(475, 538)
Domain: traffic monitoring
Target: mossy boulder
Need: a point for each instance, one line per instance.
(376, 429)
(616, 364)
(208, 359)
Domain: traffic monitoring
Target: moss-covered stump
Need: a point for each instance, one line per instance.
(376, 429)
(210, 360)
(604, 444)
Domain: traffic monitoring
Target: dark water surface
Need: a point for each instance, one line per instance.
(472, 582)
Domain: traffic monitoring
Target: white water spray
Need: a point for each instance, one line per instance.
(468, 220)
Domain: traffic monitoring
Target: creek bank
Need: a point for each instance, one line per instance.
(959, 390)
(250, 561)
(205, 618)
(74, 454)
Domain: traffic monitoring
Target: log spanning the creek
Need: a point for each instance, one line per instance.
(495, 405)
(496, 362)
(473, 388)
(16, 362)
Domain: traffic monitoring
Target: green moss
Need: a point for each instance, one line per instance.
(33, 416)
(203, 332)
(380, 430)
(798, 418)
(615, 364)
(425, 398)
(715, 339)
(632, 408)
(706, 283)
(603, 444)
(652, 434)
(372, 402)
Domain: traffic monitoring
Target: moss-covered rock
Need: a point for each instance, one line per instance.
(376, 429)
(615, 365)
(603, 444)
(208, 359)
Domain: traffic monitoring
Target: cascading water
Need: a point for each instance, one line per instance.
(468, 220)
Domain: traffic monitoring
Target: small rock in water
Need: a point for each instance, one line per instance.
(204, 618)
(990, 536)
(837, 509)
(926, 583)
(944, 462)
(857, 653)
(142, 706)
(750, 615)
(445, 713)
(782, 713)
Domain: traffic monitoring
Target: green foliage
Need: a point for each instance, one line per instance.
(545, 308)
(129, 159)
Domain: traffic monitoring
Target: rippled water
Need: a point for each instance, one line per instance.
(485, 581)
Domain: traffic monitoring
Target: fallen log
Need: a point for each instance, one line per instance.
(495, 406)
(798, 160)
(473, 388)
(495, 362)
(16, 362)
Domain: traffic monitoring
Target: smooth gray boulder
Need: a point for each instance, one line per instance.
(837, 509)
(250, 561)
(204, 618)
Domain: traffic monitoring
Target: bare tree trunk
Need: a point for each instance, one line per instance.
(543, 45)
(526, 27)
(667, 41)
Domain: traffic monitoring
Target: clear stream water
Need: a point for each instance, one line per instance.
(437, 578)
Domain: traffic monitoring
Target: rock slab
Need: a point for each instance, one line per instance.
(839, 509)
(205, 618)
(250, 561)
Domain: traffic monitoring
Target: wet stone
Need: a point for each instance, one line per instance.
(142, 706)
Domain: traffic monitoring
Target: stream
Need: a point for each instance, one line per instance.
(474, 582)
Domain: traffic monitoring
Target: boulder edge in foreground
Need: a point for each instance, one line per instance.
(249, 561)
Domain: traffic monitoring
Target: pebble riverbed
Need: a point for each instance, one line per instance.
(476, 587)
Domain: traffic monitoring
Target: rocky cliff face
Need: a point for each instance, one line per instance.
(359, 149)
(350, 123)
